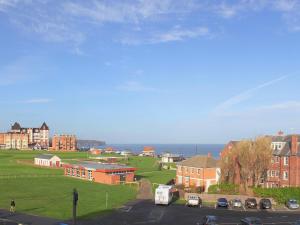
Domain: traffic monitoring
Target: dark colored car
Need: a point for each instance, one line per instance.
(251, 221)
(210, 220)
(222, 202)
(251, 203)
(265, 204)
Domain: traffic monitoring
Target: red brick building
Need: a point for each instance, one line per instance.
(198, 171)
(285, 165)
(64, 143)
(100, 172)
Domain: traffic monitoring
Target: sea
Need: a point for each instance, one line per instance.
(186, 150)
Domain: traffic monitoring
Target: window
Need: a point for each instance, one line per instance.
(199, 171)
(192, 170)
(286, 161)
(277, 173)
(186, 170)
(273, 173)
(277, 159)
(285, 175)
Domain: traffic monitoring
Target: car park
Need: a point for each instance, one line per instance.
(194, 201)
(265, 203)
(292, 204)
(251, 203)
(222, 202)
(210, 220)
(251, 221)
(236, 203)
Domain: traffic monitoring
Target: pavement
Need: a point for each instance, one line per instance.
(25, 219)
(142, 212)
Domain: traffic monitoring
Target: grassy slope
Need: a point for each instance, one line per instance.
(51, 196)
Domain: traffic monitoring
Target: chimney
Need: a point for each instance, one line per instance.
(280, 133)
(209, 155)
(294, 144)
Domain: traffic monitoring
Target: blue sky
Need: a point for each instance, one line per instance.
(155, 71)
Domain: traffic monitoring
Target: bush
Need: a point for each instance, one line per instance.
(229, 189)
(280, 195)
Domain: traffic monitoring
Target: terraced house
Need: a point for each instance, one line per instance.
(198, 171)
(285, 165)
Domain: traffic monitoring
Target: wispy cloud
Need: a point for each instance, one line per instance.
(237, 99)
(37, 101)
(16, 71)
(179, 34)
(136, 21)
(135, 86)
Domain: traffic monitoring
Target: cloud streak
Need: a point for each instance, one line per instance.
(37, 101)
(246, 95)
(135, 86)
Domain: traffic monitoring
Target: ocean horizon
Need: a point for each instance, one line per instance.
(187, 150)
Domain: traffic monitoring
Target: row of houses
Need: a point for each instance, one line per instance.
(284, 171)
(36, 138)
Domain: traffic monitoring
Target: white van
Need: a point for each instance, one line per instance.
(163, 195)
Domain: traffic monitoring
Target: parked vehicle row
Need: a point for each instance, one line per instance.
(164, 196)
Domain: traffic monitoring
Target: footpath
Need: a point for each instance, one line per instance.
(25, 219)
(145, 190)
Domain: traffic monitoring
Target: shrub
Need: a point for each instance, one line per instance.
(280, 195)
(229, 189)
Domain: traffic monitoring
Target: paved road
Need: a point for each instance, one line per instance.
(27, 219)
(145, 212)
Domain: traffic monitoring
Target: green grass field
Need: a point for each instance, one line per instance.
(46, 192)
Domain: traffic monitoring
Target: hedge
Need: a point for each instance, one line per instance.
(229, 189)
(280, 195)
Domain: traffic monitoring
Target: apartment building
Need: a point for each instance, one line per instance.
(64, 143)
(38, 138)
(198, 171)
(284, 170)
(14, 140)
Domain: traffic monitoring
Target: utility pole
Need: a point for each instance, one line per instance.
(75, 200)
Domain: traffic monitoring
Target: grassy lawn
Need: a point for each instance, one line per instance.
(46, 192)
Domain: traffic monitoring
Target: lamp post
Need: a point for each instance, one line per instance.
(75, 200)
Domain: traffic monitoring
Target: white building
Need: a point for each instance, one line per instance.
(47, 160)
(170, 158)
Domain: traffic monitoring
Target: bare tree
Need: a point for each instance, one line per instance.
(245, 161)
(263, 152)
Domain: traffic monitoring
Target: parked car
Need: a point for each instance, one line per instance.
(265, 204)
(210, 220)
(222, 202)
(251, 221)
(297, 222)
(194, 200)
(292, 204)
(236, 203)
(251, 203)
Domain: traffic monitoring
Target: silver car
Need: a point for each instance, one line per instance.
(236, 203)
(292, 204)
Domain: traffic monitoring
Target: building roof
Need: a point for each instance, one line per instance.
(45, 156)
(44, 126)
(16, 126)
(170, 155)
(101, 166)
(200, 162)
